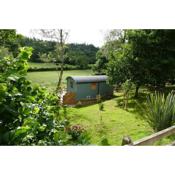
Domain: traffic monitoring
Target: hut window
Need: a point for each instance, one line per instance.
(93, 86)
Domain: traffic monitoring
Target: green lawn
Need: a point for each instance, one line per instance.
(117, 122)
(50, 78)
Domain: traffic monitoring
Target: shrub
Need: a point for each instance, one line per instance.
(160, 111)
(78, 134)
(100, 106)
(29, 115)
(104, 141)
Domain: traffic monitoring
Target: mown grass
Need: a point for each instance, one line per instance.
(49, 79)
(116, 123)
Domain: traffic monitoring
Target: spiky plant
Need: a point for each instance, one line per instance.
(160, 110)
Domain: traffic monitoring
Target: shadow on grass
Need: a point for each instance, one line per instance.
(138, 105)
(135, 105)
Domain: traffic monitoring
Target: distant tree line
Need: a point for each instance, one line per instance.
(76, 54)
(45, 51)
(10, 40)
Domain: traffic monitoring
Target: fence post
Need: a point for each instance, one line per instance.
(126, 141)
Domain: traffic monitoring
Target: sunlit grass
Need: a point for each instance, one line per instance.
(49, 79)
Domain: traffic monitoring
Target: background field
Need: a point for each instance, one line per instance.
(50, 78)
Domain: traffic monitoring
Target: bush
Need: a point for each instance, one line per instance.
(78, 134)
(104, 141)
(29, 115)
(160, 111)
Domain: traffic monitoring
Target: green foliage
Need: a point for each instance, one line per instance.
(78, 134)
(45, 58)
(100, 65)
(104, 142)
(146, 57)
(160, 111)
(126, 87)
(118, 67)
(153, 53)
(100, 107)
(4, 52)
(39, 47)
(9, 39)
(81, 55)
(46, 51)
(114, 40)
(29, 115)
(100, 103)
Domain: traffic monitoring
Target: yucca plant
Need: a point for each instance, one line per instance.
(160, 110)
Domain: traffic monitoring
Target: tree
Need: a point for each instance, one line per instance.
(146, 57)
(119, 66)
(9, 39)
(113, 41)
(100, 65)
(76, 54)
(59, 36)
(154, 51)
(81, 54)
(126, 87)
(39, 46)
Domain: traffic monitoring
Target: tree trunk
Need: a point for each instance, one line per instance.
(137, 91)
(62, 62)
(60, 79)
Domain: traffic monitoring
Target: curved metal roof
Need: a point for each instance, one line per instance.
(89, 79)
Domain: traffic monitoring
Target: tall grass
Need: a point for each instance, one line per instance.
(160, 111)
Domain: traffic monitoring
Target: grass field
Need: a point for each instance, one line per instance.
(117, 122)
(50, 78)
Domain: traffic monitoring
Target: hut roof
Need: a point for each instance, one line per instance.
(89, 79)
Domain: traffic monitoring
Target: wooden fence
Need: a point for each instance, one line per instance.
(149, 140)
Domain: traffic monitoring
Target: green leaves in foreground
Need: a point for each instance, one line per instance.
(160, 111)
(29, 114)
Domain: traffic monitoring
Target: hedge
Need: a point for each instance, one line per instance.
(66, 67)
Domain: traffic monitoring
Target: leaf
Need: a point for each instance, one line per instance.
(21, 130)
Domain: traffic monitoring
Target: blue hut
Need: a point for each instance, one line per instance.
(86, 88)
